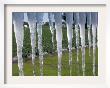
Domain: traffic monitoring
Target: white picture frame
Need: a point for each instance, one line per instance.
(2, 67)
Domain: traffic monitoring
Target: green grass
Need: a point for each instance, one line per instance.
(50, 65)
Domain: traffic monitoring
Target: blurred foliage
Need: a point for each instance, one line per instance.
(46, 40)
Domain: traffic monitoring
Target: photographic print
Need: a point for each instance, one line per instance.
(54, 44)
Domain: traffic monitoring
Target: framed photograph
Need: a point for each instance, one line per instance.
(50, 72)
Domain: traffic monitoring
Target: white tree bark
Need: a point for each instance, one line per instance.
(32, 26)
(50, 16)
(77, 41)
(39, 17)
(58, 26)
(82, 21)
(94, 16)
(76, 21)
(69, 23)
(19, 35)
(89, 31)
